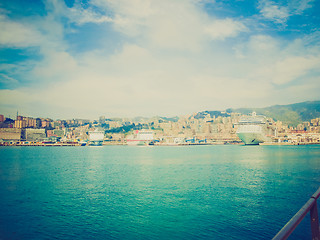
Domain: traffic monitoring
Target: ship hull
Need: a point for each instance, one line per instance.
(95, 143)
(137, 142)
(251, 138)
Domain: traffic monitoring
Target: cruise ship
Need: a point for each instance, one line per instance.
(253, 129)
(96, 138)
(140, 138)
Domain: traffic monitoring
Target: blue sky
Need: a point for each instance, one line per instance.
(125, 58)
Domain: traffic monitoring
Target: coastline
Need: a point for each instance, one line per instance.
(287, 143)
(76, 144)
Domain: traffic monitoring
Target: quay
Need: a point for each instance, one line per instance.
(78, 144)
(39, 144)
(288, 143)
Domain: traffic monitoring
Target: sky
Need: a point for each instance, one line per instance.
(125, 58)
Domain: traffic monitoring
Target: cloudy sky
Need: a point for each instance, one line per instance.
(125, 58)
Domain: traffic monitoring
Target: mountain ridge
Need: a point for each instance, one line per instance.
(291, 114)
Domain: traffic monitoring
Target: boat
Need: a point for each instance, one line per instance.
(140, 138)
(253, 129)
(83, 143)
(96, 137)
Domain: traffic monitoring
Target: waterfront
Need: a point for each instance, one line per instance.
(120, 192)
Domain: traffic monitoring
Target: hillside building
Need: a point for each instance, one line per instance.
(10, 134)
(34, 135)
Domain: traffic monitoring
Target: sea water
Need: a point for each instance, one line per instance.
(123, 192)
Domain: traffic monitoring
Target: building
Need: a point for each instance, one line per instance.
(10, 134)
(30, 122)
(20, 124)
(58, 133)
(38, 122)
(2, 118)
(102, 119)
(35, 135)
(45, 123)
(50, 133)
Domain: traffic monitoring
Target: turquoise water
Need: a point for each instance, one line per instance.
(122, 192)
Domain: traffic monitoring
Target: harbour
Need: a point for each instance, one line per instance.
(168, 192)
(203, 128)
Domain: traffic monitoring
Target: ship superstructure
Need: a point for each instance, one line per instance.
(96, 138)
(142, 137)
(253, 129)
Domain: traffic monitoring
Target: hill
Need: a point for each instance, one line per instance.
(291, 114)
(212, 114)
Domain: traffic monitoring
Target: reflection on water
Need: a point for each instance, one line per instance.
(119, 192)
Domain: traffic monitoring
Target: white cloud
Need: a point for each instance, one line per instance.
(55, 66)
(132, 9)
(272, 11)
(294, 67)
(81, 16)
(6, 80)
(299, 6)
(16, 34)
(281, 13)
(221, 29)
(169, 24)
(279, 62)
(134, 82)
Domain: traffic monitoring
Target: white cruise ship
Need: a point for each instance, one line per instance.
(140, 138)
(252, 130)
(96, 138)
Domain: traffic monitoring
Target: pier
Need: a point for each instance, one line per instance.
(41, 144)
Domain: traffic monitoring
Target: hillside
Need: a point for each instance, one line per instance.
(291, 114)
(212, 114)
